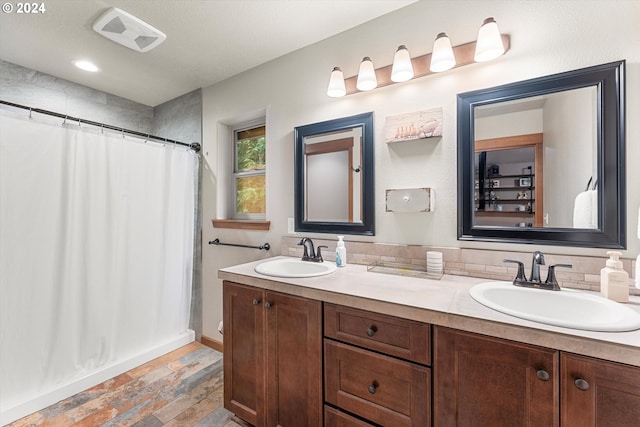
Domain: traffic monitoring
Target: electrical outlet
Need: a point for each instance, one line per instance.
(291, 226)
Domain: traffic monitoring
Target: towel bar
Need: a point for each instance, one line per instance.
(217, 242)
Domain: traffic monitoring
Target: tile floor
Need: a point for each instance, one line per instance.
(182, 388)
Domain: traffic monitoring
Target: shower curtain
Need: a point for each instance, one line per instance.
(96, 255)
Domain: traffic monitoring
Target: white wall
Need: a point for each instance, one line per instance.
(546, 37)
(570, 164)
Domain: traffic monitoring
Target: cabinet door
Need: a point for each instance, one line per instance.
(294, 360)
(599, 393)
(244, 367)
(483, 381)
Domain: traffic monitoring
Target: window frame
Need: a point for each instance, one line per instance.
(244, 174)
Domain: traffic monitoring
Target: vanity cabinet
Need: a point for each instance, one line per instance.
(382, 370)
(375, 369)
(484, 381)
(272, 357)
(598, 393)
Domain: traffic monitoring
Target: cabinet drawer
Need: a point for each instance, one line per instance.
(379, 388)
(387, 334)
(335, 418)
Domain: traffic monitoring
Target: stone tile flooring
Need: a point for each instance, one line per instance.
(182, 388)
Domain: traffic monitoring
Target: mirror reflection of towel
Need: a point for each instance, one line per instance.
(585, 210)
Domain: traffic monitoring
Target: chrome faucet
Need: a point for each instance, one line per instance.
(309, 253)
(534, 281)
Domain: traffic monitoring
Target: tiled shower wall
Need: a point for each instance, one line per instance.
(34, 89)
(482, 263)
(179, 119)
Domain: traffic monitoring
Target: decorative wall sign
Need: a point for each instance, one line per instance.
(416, 125)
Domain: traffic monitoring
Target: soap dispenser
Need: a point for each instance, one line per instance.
(341, 252)
(614, 281)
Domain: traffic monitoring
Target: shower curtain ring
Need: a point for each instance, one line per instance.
(122, 130)
(30, 116)
(146, 139)
(65, 120)
(102, 128)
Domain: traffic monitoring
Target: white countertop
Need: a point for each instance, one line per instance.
(444, 302)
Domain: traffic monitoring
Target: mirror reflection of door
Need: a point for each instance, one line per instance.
(509, 181)
(333, 178)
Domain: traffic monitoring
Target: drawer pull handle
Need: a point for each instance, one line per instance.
(256, 301)
(543, 375)
(371, 331)
(268, 304)
(373, 387)
(581, 384)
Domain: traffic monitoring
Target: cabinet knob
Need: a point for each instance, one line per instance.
(256, 301)
(543, 375)
(581, 384)
(371, 331)
(373, 387)
(268, 304)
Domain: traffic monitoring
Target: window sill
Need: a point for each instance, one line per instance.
(241, 224)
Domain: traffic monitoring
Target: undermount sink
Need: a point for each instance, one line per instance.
(294, 267)
(567, 308)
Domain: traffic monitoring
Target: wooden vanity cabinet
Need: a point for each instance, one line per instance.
(484, 381)
(598, 393)
(378, 370)
(374, 369)
(272, 357)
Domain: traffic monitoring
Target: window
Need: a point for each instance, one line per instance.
(249, 183)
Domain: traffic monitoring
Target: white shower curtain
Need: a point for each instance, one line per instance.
(96, 251)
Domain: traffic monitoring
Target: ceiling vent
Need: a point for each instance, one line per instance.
(127, 30)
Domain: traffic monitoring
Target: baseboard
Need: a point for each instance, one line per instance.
(209, 342)
(51, 396)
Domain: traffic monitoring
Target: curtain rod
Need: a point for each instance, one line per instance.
(194, 145)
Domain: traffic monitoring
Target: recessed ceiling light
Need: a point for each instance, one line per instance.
(86, 66)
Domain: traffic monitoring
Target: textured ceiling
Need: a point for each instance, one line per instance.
(207, 40)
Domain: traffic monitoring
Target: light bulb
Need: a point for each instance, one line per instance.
(336, 87)
(489, 45)
(442, 58)
(367, 75)
(402, 69)
(86, 66)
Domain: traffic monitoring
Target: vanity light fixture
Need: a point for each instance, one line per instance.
(366, 75)
(402, 69)
(336, 87)
(442, 58)
(490, 45)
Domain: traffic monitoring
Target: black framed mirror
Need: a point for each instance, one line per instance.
(334, 176)
(542, 161)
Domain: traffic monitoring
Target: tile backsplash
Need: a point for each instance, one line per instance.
(483, 263)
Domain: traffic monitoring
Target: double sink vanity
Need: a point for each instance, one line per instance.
(350, 347)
